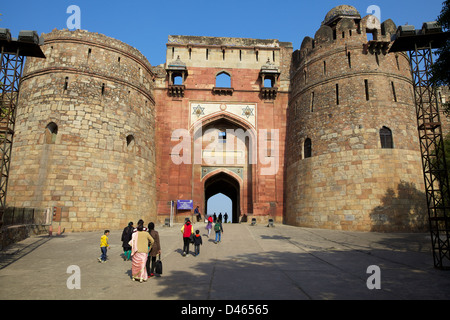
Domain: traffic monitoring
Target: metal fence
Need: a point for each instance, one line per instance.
(28, 216)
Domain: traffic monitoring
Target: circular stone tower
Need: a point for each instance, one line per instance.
(84, 134)
(353, 157)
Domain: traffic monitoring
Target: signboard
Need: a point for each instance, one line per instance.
(185, 204)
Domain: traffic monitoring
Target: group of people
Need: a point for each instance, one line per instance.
(141, 245)
(214, 216)
(225, 217)
(189, 237)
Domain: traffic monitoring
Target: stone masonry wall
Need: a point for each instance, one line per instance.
(342, 95)
(99, 165)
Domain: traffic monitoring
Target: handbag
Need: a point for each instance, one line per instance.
(158, 265)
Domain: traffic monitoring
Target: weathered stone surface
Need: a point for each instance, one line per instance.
(97, 91)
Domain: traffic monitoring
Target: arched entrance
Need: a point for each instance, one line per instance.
(226, 184)
(226, 165)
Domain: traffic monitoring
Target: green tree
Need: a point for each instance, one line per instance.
(441, 67)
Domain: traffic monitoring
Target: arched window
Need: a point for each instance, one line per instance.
(307, 148)
(130, 141)
(223, 80)
(177, 80)
(51, 130)
(386, 138)
(269, 82)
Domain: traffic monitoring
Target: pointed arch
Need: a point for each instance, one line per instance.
(223, 79)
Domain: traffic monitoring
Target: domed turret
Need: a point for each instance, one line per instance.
(352, 140)
(339, 12)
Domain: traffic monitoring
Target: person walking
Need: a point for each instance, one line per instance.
(140, 242)
(142, 223)
(209, 225)
(126, 237)
(187, 230)
(219, 230)
(225, 216)
(103, 246)
(197, 213)
(197, 242)
(154, 251)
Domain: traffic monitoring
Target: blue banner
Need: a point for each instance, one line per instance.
(185, 204)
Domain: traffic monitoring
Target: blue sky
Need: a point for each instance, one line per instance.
(146, 25)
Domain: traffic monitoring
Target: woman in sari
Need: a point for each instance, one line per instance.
(140, 243)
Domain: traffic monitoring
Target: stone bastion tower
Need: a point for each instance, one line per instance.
(85, 133)
(352, 152)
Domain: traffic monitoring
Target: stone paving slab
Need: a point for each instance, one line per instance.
(250, 263)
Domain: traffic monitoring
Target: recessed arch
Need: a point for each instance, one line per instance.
(233, 161)
(224, 115)
(240, 131)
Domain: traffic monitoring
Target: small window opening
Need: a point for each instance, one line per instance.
(103, 89)
(366, 86)
(393, 91)
(268, 83)
(51, 131)
(130, 141)
(337, 94)
(207, 54)
(398, 63)
(386, 138)
(66, 83)
(372, 34)
(240, 55)
(307, 148)
(177, 80)
(324, 68)
(312, 101)
(349, 59)
(190, 53)
(223, 54)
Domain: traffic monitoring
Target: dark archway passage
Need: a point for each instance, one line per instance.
(227, 185)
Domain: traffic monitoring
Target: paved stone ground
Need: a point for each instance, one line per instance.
(251, 263)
